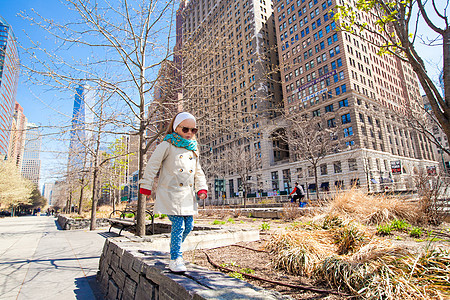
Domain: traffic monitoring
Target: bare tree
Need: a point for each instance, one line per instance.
(396, 29)
(124, 37)
(311, 140)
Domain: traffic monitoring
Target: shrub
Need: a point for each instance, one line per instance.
(349, 239)
(231, 220)
(247, 271)
(384, 229)
(265, 226)
(415, 232)
(368, 209)
(400, 225)
(236, 275)
(217, 222)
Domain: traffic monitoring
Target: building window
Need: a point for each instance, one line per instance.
(339, 184)
(352, 166)
(346, 118)
(331, 123)
(323, 169)
(337, 167)
(329, 108)
(316, 113)
(348, 131)
(310, 171)
(354, 182)
(275, 185)
(299, 173)
(343, 103)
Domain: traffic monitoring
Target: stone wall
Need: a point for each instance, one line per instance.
(67, 223)
(129, 272)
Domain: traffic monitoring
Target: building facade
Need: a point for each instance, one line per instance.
(17, 136)
(47, 192)
(230, 82)
(31, 165)
(364, 97)
(248, 66)
(9, 78)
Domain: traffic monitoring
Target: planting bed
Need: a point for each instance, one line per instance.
(252, 257)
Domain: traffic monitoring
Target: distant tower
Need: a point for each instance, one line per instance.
(9, 76)
(31, 165)
(47, 192)
(78, 131)
(17, 136)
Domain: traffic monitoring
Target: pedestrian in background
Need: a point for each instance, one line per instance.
(180, 179)
(298, 192)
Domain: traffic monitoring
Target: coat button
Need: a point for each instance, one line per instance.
(190, 171)
(190, 185)
(181, 170)
(181, 156)
(190, 157)
(181, 184)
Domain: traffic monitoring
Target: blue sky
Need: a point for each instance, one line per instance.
(43, 105)
(46, 107)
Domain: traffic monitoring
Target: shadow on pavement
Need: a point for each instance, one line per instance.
(86, 286)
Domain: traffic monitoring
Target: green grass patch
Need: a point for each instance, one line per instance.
(415, 232)
(217, 222)
(265, 226)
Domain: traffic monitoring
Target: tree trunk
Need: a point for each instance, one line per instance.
(94, 199)
(69, 204)
(316, 180)
(140, 218)
(80, 202)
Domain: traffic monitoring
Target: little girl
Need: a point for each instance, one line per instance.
(177, 159)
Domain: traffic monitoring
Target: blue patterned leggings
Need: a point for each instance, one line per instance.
(181, 227)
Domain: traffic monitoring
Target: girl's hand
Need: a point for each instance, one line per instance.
(202, 194)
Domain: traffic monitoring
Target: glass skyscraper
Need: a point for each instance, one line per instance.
(9, 76)
(78, 131)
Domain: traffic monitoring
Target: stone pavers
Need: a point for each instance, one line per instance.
(38, 261)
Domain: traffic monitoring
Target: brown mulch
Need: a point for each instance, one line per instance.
(238, 258)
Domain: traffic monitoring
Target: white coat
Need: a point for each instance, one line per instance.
(180, 178)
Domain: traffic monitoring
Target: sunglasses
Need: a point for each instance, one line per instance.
(186, 130)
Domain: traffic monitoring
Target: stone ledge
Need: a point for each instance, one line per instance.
(67, 223)
(136, 268)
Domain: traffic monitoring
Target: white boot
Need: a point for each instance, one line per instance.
(177, 265)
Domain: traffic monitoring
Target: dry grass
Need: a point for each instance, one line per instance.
(299, 251)
(340, 249)
(373, 210)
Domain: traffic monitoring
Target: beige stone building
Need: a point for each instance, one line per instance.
(364, 96)
(247, 62)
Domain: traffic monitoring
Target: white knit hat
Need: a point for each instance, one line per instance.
(181, 117)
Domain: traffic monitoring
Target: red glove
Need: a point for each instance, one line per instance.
(202, 192)
(145, 191)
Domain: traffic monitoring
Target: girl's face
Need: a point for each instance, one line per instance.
(186, 125)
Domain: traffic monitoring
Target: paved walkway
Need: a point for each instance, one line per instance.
(38, 261)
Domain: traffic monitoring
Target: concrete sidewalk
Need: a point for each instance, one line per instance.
(38, 261)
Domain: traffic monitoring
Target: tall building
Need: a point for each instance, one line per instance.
(17, 136)
(31, 165)
(230, 83)
(363, 96)
(235, 54)
(80, 132)
(9, 77)
(47, 192)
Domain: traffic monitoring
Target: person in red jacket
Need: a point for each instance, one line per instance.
(298, 193)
